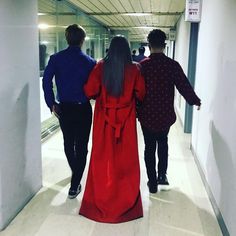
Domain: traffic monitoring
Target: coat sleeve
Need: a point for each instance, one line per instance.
(48, 84)
(93, 86)
(184, 87)
(139, 85)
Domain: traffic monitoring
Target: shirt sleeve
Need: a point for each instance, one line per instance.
(92, 65)
(48, 84)
(184, 87)
(139, 85)
(93, 86)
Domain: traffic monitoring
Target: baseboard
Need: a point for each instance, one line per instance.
(216, 209)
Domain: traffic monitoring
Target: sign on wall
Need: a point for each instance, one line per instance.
(193, 10)
(172, 35)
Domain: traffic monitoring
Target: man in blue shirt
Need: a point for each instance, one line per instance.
(71, 68)
(140, 56)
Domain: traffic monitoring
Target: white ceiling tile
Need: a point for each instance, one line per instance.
(146, 5)
(124, 6)
(136, 6)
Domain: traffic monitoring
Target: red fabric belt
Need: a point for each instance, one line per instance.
(117, 126)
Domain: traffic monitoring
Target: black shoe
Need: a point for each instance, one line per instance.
(152, 187)
(73, 193)
(162, 180)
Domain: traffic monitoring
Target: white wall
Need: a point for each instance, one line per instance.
(181, 55)
(20, 157)
(214, 127)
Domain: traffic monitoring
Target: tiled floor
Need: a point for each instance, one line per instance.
(183, 210)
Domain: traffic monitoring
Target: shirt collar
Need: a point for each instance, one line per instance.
(77, 48)
(157, 55)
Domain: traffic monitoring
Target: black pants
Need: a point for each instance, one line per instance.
(152, 142)
(75, 121)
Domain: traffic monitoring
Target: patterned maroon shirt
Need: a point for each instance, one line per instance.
(162, 74)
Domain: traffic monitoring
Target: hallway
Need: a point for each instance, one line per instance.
(183, 210)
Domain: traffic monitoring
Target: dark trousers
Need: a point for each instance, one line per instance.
(75, 121)
(153, 141)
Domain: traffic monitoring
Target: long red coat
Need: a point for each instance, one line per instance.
(112, 192)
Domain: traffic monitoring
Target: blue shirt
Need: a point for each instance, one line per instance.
(71, 68)
(139, 58)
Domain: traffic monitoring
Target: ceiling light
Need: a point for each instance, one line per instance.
(41, 14)
(43, 26)
(137, 14)
(87, 38)
(44, 42)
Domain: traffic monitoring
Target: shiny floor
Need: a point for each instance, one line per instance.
(182, 210)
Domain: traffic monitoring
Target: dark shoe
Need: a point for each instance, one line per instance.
(73, 193)
(162, 180)
(152, 187)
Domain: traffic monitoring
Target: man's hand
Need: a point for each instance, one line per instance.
(56, 110)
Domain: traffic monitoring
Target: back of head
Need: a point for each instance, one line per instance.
(156, 39)
(75, 35)
(117, 58)
(141, 50)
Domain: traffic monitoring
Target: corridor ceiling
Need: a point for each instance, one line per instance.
(136, 16)
(119, 14)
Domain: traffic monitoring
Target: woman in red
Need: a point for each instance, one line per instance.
(112, 192)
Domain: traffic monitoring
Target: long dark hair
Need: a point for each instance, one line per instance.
(117, 58)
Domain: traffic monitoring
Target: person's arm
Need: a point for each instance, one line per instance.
(48, 84)
(184, 87)
(139, 85)
(93, 86)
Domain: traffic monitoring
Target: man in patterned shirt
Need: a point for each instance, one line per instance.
(156, 114)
